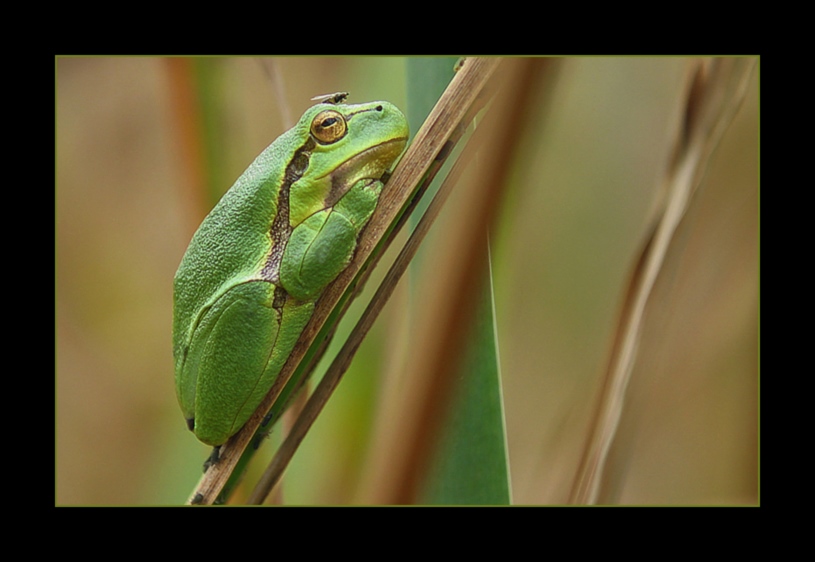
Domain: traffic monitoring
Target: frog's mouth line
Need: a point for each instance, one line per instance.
(378, 158)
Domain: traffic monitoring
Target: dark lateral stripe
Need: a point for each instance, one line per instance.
(281, 228)
(280, 296)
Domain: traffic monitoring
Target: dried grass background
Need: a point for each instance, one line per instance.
(569, 230)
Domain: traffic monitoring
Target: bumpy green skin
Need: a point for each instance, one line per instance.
(247, 284)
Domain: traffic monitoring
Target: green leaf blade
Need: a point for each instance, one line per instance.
(471, 465)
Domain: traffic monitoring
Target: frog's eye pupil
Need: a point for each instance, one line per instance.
(328, 122)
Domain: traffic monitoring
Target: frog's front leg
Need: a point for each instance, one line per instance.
(322, 246)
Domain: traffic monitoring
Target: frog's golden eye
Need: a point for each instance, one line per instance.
(329, 126)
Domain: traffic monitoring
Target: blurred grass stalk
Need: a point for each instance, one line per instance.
(715, 92)
(407, 466)
(470, 463)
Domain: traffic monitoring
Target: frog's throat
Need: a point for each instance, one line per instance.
(370, 163)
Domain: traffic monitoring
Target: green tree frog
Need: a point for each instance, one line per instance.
(247, 285)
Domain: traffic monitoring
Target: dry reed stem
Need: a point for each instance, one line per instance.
(717, 88)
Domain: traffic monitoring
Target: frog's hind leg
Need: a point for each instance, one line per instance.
(238, 335)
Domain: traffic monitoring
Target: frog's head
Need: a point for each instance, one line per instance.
(343, 144)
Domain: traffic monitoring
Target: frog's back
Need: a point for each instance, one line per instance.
(233, 240)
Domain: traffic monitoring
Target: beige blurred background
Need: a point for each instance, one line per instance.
(574, 219)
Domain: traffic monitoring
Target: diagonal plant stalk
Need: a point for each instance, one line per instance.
(716, 89)
(465, 89)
